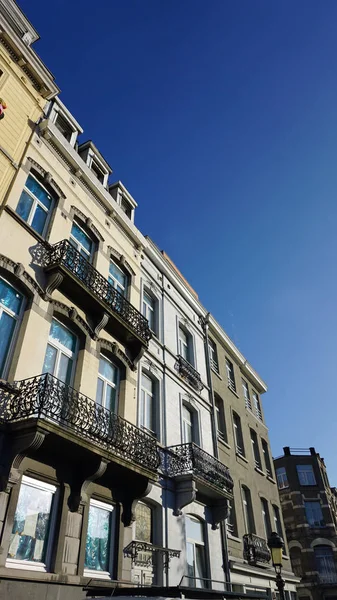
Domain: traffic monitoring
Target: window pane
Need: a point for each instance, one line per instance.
(39, 219)
(306, 475)
(143, 523)
(110, 398)
(38, 191)
(107, 369)
(117, 274)
(49, 361)
(98, 538)
(99, 391)
(24, 206)
(81, 237)
(190, 562)
(31, 524)
(7, 326)
(200, 566)
(9, 297)
(65, 368)
(147, 383)
(194, 530)
(62, 335)
(148, 299)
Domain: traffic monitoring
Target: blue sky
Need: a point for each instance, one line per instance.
(221, 119)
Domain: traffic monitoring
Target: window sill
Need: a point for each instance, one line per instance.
(259, 471)
(241, 456)
(25, 225)
(234, 538)
(12, 563)
(271, 479)
(216, 373)
(233, 391)
(97, 574)
(223, 442)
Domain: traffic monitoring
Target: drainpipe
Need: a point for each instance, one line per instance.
(204, 322)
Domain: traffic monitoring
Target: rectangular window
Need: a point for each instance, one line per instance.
(255, 448)
(185, 345)
(97, 171)
(325, 564)
(306, 475)
(32, 525)
(220, 418)
(238, 435)
(257, 406)
(313, 511)
(81, 241)
(98, 555)
(60, 358)
(187, 426)
(282, 480)
(149, 309)
(126, 208)
(117, 278)
(231, 519)
(107, 384)
(266, 457)
(248, 510)
(213, 356)
(230, 375)
(277, 521)
(147, 404)
(265, 518)
(11, 304)
(35, 205)
(246, 394)
(64, 127)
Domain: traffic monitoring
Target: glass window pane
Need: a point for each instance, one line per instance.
(24, 206)
(31, 524)
(38, 191)
(143, 523)
(117, 274)
(194, 530)
(7, 326)
(99, 391)
(81, 237)
(190, 562)
(65, 369)
(98, 539)
(62, 335)
(200, 566)
(9, 297)
(49, 361)
(39, 219)
(148, 299)
(107, 369)
(147, 383)
(110, 398)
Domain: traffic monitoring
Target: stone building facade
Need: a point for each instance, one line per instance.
(310, 518)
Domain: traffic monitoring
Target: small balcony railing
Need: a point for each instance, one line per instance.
(64, 255)
(190, 458)
(255, 549)
(188, 372)
(48, 399)
(143, 554)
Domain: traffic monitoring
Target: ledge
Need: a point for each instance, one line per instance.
(224, 443)
(216, 373)
(238, 455)
(234, 538)
(260, 471)
(271, 479)
(233, 391)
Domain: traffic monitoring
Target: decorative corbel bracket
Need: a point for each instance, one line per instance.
(13, 449)
(129, 496)
(78, 477)
(185, 493)
(219, 512)
(103, 322)
(54, 281)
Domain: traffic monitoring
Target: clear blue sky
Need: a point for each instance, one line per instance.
(220, 117)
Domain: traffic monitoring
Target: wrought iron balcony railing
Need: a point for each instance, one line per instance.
(143, 553)
(190, 458)
(255, 549)
(189, 373)
(47, 398)
(63, 254)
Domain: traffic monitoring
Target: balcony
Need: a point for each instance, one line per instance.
(143, 554)
(255, 549)
(58, 408)
(77, 278)
(329, 576)
(187, 372)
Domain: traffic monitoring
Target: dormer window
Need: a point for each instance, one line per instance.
(97, 171)
(126, 208)
(64, 127)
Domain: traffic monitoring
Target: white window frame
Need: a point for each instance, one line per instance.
(246, 395)
(265, 517)
(195, 543)
(220, 418)
(184, 342)
(282, 478)
(230, 374)
(148, 309)
(277, 520)
(237, 427)
(59, 114)
(255, 449)
(213, 355)
(60, 348)
(187, 423)
(107, 382)
(247, 509)
(29, 565)
(103, 574)
(37, 202)
(257, 405)
(18, 319)
(79, 246)
(149, 399)
(115, 283)
(304, 474)
(266, 457)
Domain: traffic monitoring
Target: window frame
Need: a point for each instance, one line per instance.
(149, 308)
(154, 398)
(112, 509)
(300, 473)
(107, 382)
(62, 117)
(194, 543)
(248, 514)
(73, 355)
(36, 203)
(282, 478)
(213, 356)
(255, 449)
(79, 246)
(307, 508)
(266, 517)
(246, 395)
(230, 374)
(257, 405)
(238, 435)
(29, 565)
(18, 320)
(220, 419)
(189, 344)
(277, 520)
(115, 283)
(231, 523)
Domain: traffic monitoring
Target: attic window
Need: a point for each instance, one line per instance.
(64, 127)
(126, 208)
(97, 171)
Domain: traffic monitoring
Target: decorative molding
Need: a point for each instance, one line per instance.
(121, 258)
(113, 348)
(88, 222)
(46, 176)
(54, 280)
(18, 270)
(71, 313)
(102, 323)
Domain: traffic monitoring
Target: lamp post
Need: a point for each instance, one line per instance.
(276, 545)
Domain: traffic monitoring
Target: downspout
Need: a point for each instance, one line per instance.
(223, 534)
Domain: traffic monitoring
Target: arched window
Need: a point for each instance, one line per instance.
(325, 564)
(35, 204)
(81, 239)
(195, 552)
(11, 308)
(143, 526)
(107, 384)
(61, 353)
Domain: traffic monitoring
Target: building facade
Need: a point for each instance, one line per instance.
(310, 518)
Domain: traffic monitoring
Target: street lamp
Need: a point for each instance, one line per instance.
(276, 545)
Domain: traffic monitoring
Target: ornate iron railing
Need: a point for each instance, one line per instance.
(189, 373)
(65, 255)
(142, 553)
(46, 397)
(255, 549)
(190, 458)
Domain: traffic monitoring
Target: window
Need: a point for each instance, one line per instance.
(325, 564)
(220, 418)
(246, 394)
(126, 208)
(277, 521)
(117, 278)
(257, 406)
(282, 480)
(185, 346)
(266, 457)
(147, 404)
(64, 127)
(81, 241)
(306, 475)
(314, 513)
(265, 518)
(296, 562)
(107, 384)
(61, 352)
(98, 554)
(188, 425)
(230, 375)
(238, 435)
(195, 552)
(97, 171)
(35, 205)
(149, 311)
(213, 355)
(247, 510)
(32, 524)
(231, 519)
(255, 448)
(11, 305)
